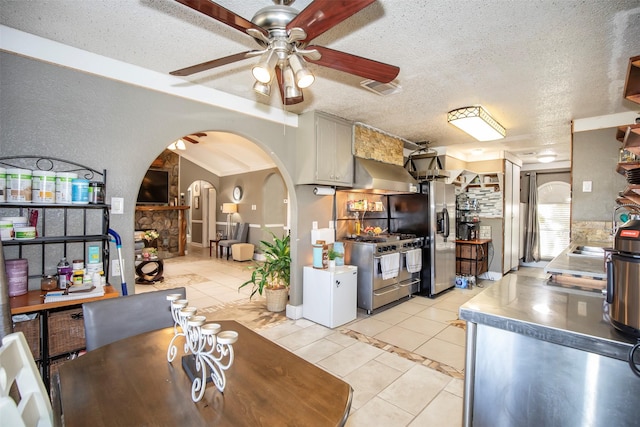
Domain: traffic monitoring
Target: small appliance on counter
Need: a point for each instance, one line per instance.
(623, 284)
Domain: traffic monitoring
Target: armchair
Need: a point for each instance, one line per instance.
(240, 235)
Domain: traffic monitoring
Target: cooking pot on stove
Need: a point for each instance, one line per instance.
(623, 284)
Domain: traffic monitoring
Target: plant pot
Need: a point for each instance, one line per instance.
(332, 264)
(276, 299)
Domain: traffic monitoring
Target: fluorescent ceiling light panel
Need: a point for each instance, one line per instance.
(477, 122)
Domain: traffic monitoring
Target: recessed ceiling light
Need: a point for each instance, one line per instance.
(546, 157)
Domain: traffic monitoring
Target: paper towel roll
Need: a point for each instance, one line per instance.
(324, 191)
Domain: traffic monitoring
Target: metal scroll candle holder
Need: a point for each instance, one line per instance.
(205, 346)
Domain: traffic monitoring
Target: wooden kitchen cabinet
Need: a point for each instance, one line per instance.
(324, 152)
(472, 257)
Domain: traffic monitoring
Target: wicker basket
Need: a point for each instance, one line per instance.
(66, 331)
(276, 299)
(31, 331)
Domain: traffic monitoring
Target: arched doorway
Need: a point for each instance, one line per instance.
(201, 222)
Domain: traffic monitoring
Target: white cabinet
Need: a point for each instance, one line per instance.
(324, 150)
(329, 297)
(511, 211)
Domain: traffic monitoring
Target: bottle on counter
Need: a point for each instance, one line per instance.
(64, 273)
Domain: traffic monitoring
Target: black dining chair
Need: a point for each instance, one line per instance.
(110, 320)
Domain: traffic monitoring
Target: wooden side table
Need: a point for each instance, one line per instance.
(211, 242)
(472, 256)
(33, 302)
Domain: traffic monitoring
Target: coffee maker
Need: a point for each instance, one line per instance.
(467, 231)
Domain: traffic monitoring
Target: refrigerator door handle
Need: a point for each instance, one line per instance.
(445, 220)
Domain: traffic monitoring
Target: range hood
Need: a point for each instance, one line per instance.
(372, 176)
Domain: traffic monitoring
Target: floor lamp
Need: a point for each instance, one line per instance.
(229, 209)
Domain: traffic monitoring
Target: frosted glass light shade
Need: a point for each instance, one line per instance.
(477, 122)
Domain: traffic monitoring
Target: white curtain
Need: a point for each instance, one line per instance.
(532, 233)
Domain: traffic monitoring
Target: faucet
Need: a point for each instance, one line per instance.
(635, 207)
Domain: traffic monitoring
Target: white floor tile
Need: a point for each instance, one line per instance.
(369, 380)
(444, 411)
(413, 391)
(349, 359)
(444, 352)
(402, 337)
(377, 412)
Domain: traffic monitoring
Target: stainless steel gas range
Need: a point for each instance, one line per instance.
(388, 267)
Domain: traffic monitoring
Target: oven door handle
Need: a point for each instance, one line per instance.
(391, 289)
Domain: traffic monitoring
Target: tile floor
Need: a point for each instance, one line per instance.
(394, 381)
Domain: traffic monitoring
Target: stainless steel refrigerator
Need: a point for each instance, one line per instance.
(430, 214)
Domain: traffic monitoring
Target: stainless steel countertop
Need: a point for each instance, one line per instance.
(578, 265)
(527, 306)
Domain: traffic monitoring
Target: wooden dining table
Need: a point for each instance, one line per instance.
(131, 383)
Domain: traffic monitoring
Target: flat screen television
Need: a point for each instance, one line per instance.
(154, 189)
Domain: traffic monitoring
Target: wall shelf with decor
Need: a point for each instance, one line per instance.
(630, 137)
(632, 84)
(465, 178)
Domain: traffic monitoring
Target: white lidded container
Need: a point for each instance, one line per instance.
(16, 221)
(3, 184)
(18, 185)
(43, 186)
(64, 186)
(24, 233)
(6, 229)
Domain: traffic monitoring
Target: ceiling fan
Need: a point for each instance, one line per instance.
(179, 144)
(284, 35)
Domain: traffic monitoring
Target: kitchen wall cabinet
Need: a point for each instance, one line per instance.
(324, 150)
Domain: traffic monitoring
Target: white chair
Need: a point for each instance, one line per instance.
(17, 366)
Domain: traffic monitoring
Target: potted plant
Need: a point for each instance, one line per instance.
(333, 254)
(272, 274)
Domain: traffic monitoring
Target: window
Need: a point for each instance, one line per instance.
(554, 209)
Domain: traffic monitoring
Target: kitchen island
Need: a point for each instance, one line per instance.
(543, 356)
(580, 265)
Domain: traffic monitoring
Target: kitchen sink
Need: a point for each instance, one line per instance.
(587, 251)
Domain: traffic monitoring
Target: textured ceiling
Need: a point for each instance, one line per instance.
(535, 65)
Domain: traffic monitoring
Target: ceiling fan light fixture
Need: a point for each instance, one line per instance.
(262, 88)
(546, 157)
(290, 88)
(304, 77)
(262, 71)
(477, 122)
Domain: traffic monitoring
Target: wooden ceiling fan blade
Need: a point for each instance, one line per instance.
(286, 101)
(221, 14)
(353, 64)
(191, 140)
(213, 64)
(322, 15)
